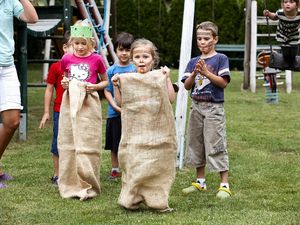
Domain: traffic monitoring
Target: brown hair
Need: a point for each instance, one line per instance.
(124, 40)
(66, 37)
(209, 26)
(296, 1)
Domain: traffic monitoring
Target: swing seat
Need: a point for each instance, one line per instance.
(277, 61)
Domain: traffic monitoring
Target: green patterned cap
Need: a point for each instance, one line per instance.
(81, 31)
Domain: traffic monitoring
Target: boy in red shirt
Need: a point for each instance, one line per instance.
(54, 78)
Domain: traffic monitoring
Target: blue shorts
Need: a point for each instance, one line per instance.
(54, 148)
(113, 133)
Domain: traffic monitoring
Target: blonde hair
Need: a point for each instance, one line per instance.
(142, 42)
(91, 43)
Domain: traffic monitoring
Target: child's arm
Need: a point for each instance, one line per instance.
(29, 15)
(117, 92)
(47, 102)
(216, 80)
(166, 71)
(271, 15)
(189, 82)
(111, 100)
(98, 87)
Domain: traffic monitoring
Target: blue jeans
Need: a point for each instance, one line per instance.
(54, 148)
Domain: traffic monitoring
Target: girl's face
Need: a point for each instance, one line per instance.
(123, 55)
(206, 41)
(81, 47)
(142, 59)
(289, 5)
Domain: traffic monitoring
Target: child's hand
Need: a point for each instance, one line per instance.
(90, 88)
(165, 71)
(115, 80)
(65, 82)
(201, 67)
(197, 68)
(266, 12)
(45, 118)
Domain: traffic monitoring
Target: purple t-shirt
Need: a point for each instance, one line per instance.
(204, 90)
(83, 68)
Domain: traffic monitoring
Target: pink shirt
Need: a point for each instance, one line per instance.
(83, 68)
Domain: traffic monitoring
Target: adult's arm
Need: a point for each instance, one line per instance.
(29, 15)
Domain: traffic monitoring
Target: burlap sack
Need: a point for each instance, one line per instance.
(148, 146)
(79, 143)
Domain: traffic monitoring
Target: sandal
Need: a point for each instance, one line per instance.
(166, 210)
(2, 186)
(54, 180)
(5, 177)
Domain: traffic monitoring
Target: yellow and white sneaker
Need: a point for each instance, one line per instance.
(223, 192)
(194, 187)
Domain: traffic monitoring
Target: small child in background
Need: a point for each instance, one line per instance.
(287, 33)
(80, 122)
(122, 46)
(206, 76)
(148, 147)
(54, 78)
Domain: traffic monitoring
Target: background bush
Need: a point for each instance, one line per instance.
(161, 22)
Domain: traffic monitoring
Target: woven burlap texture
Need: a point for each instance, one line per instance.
(79, 143)
(147, 151)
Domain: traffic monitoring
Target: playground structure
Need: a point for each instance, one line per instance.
(252, 51)
(53, 22)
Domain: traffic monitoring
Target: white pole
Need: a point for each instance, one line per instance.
(288, 80)
(185, 56)
(47, 50)
(46, 57)
(253, 46)
(107, 16)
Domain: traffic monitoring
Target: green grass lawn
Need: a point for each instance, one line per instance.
(264, 150)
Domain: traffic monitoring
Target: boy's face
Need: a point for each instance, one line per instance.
(67, 48)
(206, 41)
(123, 55)
(289, 5)
(142, 59)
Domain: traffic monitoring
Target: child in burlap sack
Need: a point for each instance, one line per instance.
(80, 122)
(147, 151)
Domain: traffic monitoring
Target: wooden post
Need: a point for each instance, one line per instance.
(67, 15)
(113, 27)
(22, 73)
(247, 45)
(185, 56)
